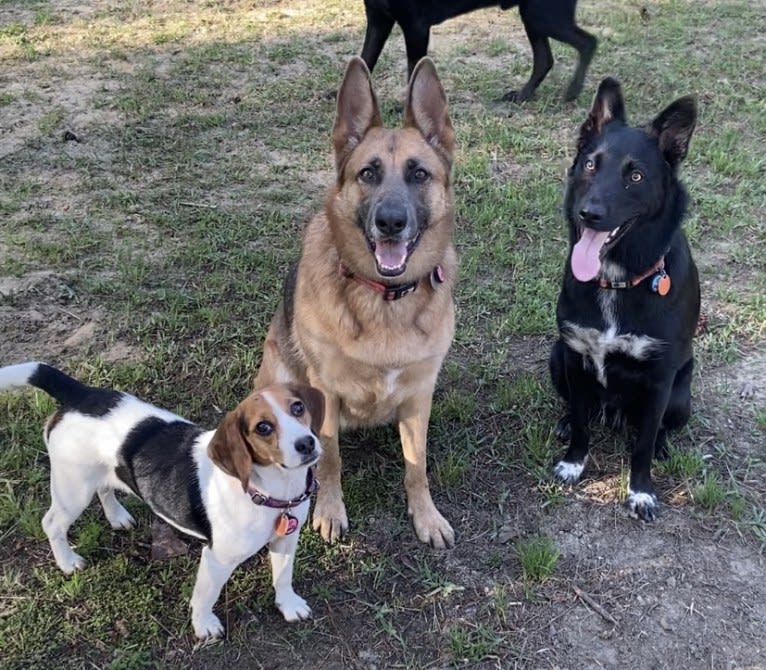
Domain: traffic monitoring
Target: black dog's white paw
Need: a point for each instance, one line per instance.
(643, 505)
(568, 473)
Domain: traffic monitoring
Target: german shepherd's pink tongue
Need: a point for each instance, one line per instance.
(391, 255)
(586, 261)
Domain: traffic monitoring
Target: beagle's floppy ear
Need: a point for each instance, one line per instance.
(228, 448)
(313, 398)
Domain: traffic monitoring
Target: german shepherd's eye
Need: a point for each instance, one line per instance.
(264, 428)
(297, 408)
(367, 175)
(589, 164)
(636, 176)
(420, 175)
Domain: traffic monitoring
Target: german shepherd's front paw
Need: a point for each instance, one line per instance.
(643, 505)
(330, 518)
(431, 527)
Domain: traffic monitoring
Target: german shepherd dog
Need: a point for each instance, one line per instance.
(542, 19)
(368, 314)
(630, 298)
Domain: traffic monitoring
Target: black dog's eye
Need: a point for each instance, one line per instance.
(367, 175)
(297, 409)
(264, 428)
(590, 164)
(636, 176)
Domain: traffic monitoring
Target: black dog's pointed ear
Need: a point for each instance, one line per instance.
(426, 109)
(357, 111)
(607, 106)
(228, 448)
(313, 398)
(673, 127)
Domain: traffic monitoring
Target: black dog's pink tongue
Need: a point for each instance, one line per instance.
(391, 255)
(586, 261)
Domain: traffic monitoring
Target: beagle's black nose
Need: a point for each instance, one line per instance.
(305, 445)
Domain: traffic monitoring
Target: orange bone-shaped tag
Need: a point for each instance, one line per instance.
(286, 524)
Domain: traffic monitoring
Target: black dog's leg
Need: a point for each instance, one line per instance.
(558, 377)
(541, 64)
(679, 408)
(416, 38)
(581, 393)
(379, 26)
(543, 20)
(585, 44)
(642, 501)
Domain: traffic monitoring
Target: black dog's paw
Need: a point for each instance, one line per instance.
(568, 473)
(515, 96)
(643, 505)
(563, 430)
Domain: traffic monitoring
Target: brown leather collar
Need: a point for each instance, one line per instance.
(660, 279)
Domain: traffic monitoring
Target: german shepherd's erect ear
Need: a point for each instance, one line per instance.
(357, 111)
(673, 127)
(607, 106)
(229, 450)
(426, 109)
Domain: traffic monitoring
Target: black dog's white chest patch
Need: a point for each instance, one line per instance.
(596, 345)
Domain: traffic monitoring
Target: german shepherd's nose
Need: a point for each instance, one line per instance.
(391, 218)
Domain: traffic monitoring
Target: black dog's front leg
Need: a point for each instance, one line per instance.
(579, 383)
(642, 500)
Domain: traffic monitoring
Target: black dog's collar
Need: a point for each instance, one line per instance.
(312, 484)
(660, 279)
(393, 291)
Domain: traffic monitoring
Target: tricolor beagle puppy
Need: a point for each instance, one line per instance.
(239, 487)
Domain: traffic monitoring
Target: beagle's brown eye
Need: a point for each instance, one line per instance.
(297, 408)
(264, 428)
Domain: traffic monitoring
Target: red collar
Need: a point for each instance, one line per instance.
(393, 291)
(660, 279)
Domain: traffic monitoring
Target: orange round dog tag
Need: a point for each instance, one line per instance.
(661, 283)
(286, 524)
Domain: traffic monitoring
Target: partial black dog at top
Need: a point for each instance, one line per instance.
(630, 298)
(542, 19)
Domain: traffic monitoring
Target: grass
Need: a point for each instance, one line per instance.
(538, 557)
(167, 230)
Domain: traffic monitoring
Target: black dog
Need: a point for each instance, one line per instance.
(542, 20)
(630, 298)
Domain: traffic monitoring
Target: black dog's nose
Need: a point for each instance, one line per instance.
(305, 445)
(591, 213)
(390, 218)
